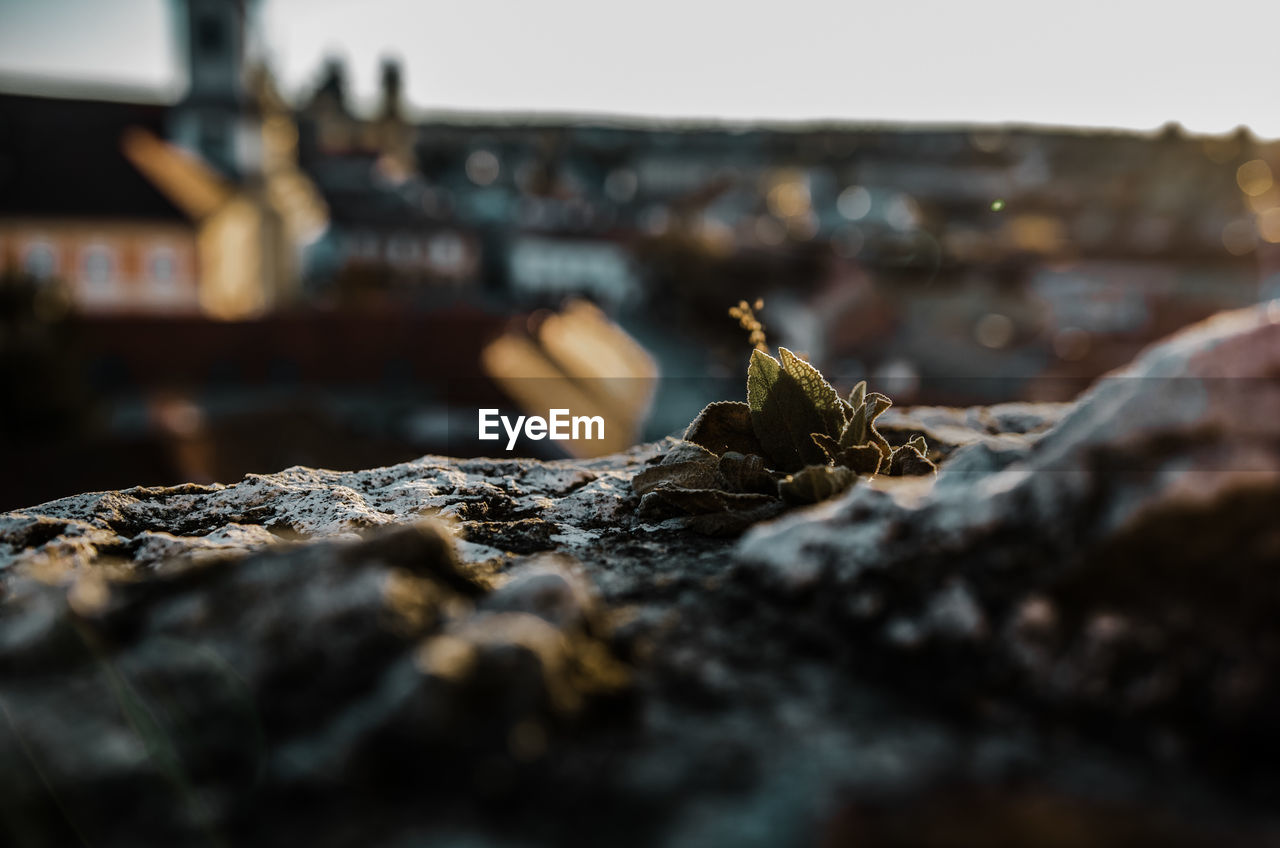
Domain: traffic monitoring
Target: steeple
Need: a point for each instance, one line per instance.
(212, 120)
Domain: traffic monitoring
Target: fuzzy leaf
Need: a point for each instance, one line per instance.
(712, 512)
(724, 426)
(862, 459)
(816, 483)
(878, 404)
(783, 415)
(821, 394)
(746, 473)
(908, 460)
(693, 474)
(675, 500)
(861, 428)
(829, 445)
(687, 452)
(855, 430)
(858, 394)
(735, 521)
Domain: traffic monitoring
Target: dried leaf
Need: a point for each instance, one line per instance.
(710, 511)
(862, 459)
(673, 500)
(695, 474)
(687, 452)
(816, 483)
(736, 521)
(724, 426)
(829, 445)
(908, 460)
(746, 473)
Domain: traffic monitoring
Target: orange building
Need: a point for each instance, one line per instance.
(73, 208)
(137, 207)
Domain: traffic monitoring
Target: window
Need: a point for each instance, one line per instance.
(215, 139)
(446, 252)
(401, 250)
(99, 265)
(162, 268)
(40, 260)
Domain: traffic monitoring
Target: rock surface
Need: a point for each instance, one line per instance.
(1070, 635)
(1120, 564)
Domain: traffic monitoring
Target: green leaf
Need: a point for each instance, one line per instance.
(724, 426)
(821, 394)
(861, 428)
(878, 404)
(783, 413)
(763, 372)
(855, 430)
(858, 394)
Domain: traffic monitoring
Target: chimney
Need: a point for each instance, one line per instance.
(391, 88)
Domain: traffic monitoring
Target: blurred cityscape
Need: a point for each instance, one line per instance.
(247, 279)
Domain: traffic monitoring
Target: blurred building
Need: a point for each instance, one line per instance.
(248, 256)
(382, 241)
(72, 207)
(194, 208)
(234, 201)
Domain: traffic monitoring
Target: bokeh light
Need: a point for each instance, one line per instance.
(482, 167)
(854, 203)
(1239, 237)
(1254, 177)
(994, 330)
(1269, 225)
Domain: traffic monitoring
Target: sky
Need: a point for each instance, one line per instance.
(1123, 63)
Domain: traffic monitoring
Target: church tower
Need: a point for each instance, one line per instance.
(213, 120)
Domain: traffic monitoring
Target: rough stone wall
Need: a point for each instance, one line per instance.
(1069, 635)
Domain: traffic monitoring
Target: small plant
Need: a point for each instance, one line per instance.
(746, 315)
(795, 441)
